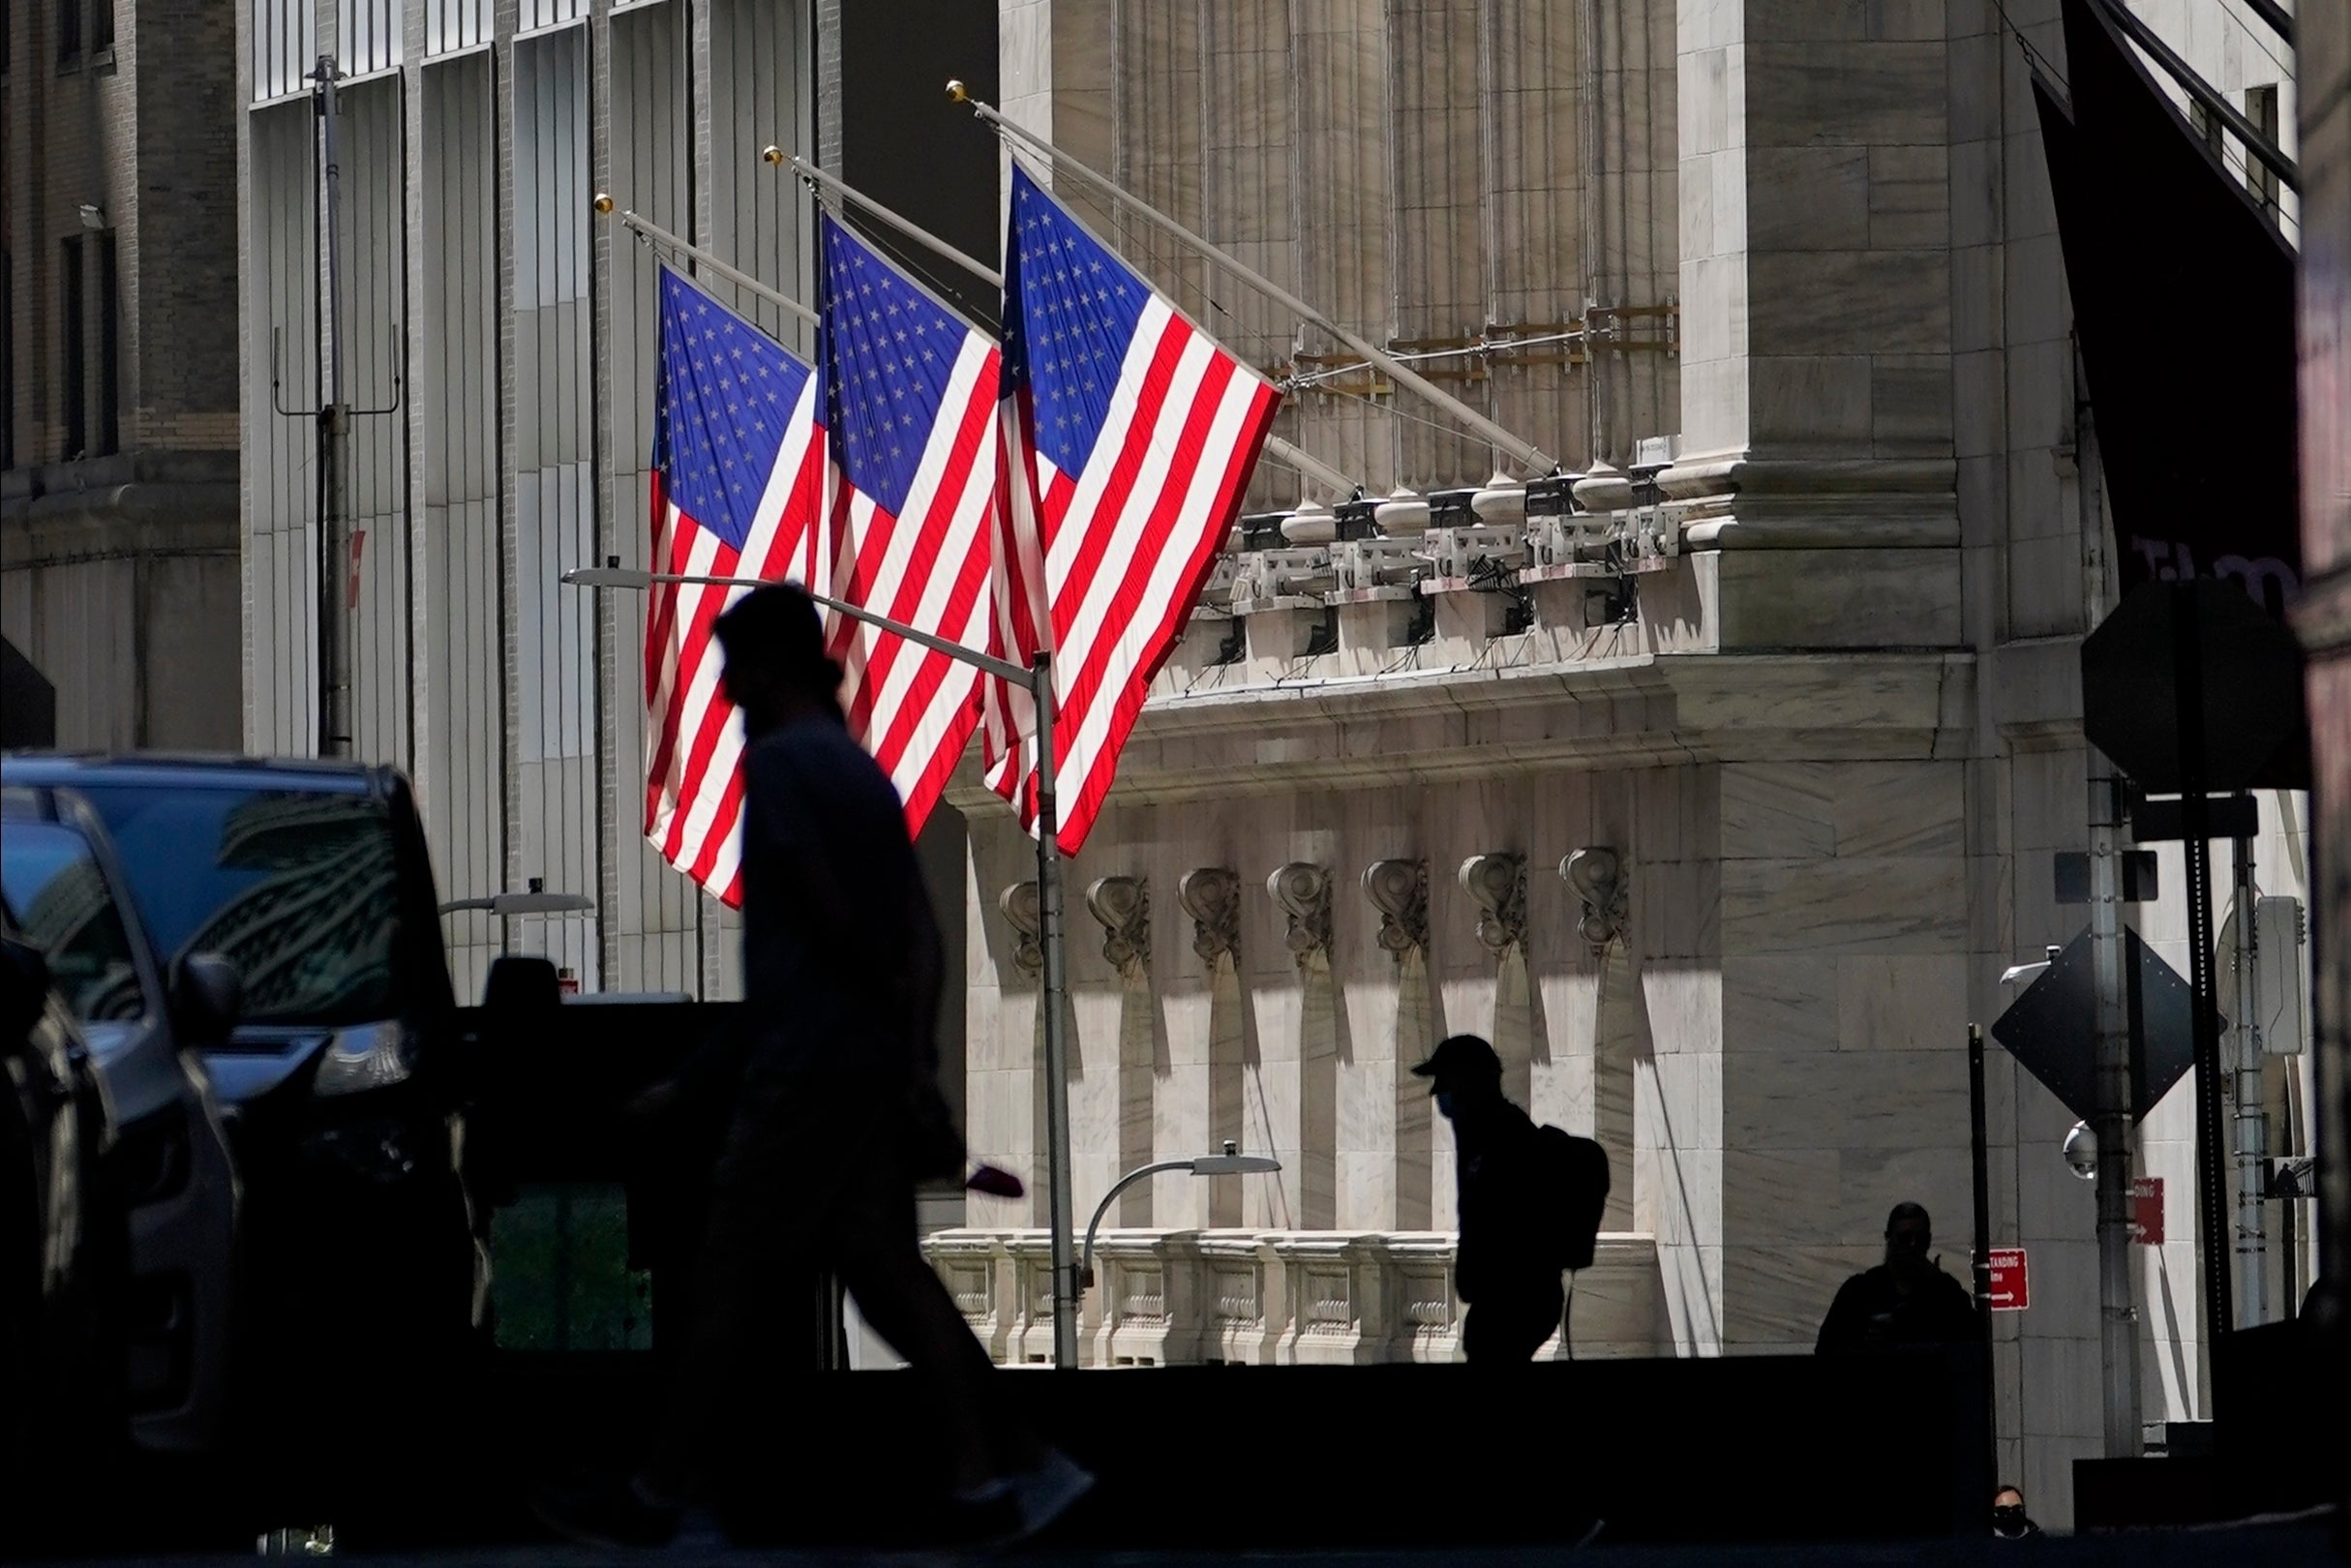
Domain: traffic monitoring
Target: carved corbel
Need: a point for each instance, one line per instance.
(1024, 912)
(1400, 890)
(1303, 890)
(1597, 876)
(1212, 897)
(1123, 904)
(1498, 881)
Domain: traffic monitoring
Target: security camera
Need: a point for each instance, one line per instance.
(2082, 1151)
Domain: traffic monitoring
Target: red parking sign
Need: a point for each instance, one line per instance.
(2011, 1292)
(2146, 1211)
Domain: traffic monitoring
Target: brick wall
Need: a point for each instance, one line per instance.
(145, 131)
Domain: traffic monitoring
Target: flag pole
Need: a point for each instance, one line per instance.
(1305, 462)
(1537, 462)
(740, 279)
(1056, 1004)
(1037, 679)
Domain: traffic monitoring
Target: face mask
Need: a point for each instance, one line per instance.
(1444, 1103)
(2010, 1520)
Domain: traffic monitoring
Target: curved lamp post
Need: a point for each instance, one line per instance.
(1231, 1162)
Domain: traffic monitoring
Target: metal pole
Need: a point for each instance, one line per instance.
(2196, 817)
(1979, 1144)
(2256, 145)
(701, 257)
(2115, 1003)
(1085, 1266)
(2252, 1120)
(334, 443)
(2117, 1022)
(1306, 463)
(778, 157)
(1525, 452)
(1057, 1044)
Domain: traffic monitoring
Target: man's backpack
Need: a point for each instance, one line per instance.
(1575, 1189)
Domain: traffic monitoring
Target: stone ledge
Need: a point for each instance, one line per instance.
(1165, 1298)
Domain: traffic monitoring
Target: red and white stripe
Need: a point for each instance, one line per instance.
(931, 568)
(693, 739)
(1128, 545)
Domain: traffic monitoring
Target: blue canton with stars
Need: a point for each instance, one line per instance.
(887, 349)
(721, 411)
(1070, 311)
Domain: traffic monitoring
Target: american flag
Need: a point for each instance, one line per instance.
(1131, 437)
(738, 457)
(908, 393)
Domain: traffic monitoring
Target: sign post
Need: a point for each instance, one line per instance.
(2192, 688)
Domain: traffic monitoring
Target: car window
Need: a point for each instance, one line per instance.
(63, 905)
(298, 888)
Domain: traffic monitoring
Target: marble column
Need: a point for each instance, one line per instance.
(1816, 283)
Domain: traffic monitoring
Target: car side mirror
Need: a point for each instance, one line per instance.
(207, 998)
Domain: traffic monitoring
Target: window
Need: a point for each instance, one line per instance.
(68, 911)
(301, 890)
(109, 349)
(73, 402)
(69, 29)
(2261, 108)
(2208, 125)
(102, 25)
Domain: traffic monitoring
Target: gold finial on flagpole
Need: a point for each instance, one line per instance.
(603, 204)
(773, 154)
(956, 93)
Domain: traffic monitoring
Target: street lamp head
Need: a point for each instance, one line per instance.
(608, 577)
(773, 154)
(603, 204)
(956, 92)
(1234, 1164)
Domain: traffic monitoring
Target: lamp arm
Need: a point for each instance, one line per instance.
(1085, 1273)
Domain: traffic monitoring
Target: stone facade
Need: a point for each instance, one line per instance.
(1799, 655)
(118, 514)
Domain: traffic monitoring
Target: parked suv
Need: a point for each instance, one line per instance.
(359, 1261)
(170, 1173)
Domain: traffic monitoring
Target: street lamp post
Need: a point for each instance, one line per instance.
(1037, 678)
(1231, 1162)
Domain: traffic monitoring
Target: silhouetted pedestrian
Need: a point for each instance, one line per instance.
(835, 1112)
(2010, 1522)
(1505, 1268)
(1907, 1300)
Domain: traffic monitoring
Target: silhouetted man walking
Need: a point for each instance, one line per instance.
(835, 1113)
(1905, 1300)
(1505, 1268)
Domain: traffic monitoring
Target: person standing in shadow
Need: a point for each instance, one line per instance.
(832, 1117)
(1905, 1301)
(2010, 1520)
(1503, 1268)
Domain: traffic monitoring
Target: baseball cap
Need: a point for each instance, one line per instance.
(1460, 1056)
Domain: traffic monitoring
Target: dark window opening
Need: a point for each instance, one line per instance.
(102, 25)
(73, 402)
(69, 29)
(2261, 108)
(2208, 125)
(109, 349)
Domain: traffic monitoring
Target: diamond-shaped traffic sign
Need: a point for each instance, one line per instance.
(2051, 1029)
